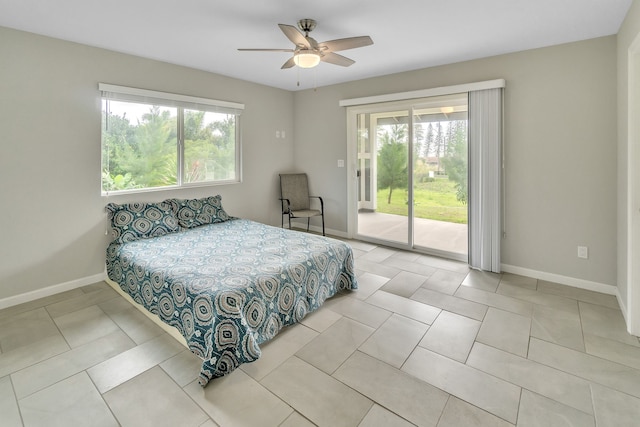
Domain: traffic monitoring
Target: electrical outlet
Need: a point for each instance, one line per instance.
(340, 163)
(583, 252)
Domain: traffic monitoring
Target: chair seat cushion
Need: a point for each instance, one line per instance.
(306, 213)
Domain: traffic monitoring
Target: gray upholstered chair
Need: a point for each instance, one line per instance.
(295, 199)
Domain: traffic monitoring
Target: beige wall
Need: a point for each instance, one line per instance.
(560, 113)
(560, 139)
(52, 216)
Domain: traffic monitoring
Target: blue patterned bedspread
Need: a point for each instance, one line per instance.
(231, 286)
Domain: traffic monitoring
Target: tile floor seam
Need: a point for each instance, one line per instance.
(475, 340)
(595, 383)
(477, 371)
(601, 359)
(520, 298)
(15, 398)
(297, 412)
(400, 371)
(269, 391)
(445, 405)
(526, 355)
(528, 388)
(115, 417)
(495, 376)
(321, 373)
(591, 417)
(582, 333)
(519, 404)
(593, 400)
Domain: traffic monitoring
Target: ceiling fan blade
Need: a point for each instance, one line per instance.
(346, 43)
(294, 35)
(267, 50)
(334, 58)
(290, 63)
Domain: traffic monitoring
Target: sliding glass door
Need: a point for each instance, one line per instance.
(412, 174)
(440, 175)
(383, 159)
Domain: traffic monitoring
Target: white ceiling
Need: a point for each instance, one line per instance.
(407, 34)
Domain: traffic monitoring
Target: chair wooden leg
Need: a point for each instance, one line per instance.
(323, 224)
(308, 219)
(289, 222)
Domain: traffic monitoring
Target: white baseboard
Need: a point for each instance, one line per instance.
(632, 329)
(623, 307)
(51, 290)
(328, 231)
(563, 280)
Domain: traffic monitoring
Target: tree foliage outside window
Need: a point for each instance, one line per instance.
(392, 157)
(149, 146)
(456, 160)
(444, 141)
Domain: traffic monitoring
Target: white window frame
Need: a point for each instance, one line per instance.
(181, 102)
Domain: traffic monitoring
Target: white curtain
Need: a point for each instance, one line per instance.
(485, 179)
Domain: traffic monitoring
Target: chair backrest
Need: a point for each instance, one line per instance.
(295, 187)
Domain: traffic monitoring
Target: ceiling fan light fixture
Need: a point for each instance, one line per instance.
(306, 58)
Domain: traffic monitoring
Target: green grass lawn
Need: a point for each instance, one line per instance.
(432, 200)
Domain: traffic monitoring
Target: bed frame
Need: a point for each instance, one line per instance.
(155, 319)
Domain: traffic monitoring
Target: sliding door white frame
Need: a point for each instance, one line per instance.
(360, 105)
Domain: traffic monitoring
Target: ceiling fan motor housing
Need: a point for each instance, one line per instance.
(307, 25)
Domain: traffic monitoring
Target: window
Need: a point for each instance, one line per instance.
(153, 140)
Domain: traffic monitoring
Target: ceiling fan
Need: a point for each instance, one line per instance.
(308, 52)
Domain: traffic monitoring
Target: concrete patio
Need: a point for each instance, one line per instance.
(428, 233)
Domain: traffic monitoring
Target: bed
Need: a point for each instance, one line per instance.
(226, 284)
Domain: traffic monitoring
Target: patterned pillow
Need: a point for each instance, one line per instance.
(133, 221)
(195, 212)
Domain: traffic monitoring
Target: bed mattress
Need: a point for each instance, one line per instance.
(230, 286)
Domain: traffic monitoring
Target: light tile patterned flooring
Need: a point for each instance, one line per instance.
(424, 342)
